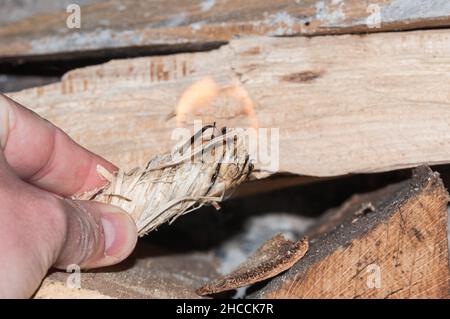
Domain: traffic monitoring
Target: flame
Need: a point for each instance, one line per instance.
(202, 93)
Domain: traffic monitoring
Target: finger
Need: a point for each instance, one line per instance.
(39, 229)
(44, 155)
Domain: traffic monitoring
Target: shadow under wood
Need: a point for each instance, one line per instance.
(208, 229)
(60, 63)
(401, 233)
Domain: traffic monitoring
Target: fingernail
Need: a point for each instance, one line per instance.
(110, 233)
(120, 235)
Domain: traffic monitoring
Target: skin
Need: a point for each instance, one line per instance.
(40, 168)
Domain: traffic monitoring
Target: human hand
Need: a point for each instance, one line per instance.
(40, 166)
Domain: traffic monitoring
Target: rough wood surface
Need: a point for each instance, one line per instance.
(161, 25)
(272, 258)
(149, 273)
(343, 104)
(399, 232)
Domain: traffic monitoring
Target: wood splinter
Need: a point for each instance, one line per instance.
(272, 258)
(197, 173)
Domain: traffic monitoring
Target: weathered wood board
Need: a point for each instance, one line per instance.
(150, 272)
(342, 104)
(168, 25)
(391, 243)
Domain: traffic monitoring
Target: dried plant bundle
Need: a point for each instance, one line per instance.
(194, 174)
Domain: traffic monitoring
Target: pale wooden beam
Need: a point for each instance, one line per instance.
(342, 104)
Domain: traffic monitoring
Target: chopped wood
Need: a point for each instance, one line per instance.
(169, 25)
(150, 272)
(272, 258)
(378, 103)
(403, 236)
(396, 249)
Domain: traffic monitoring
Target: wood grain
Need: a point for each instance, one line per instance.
(272, 258)
(168, 25)
(376, 103)
(150, 272)
(403, 240)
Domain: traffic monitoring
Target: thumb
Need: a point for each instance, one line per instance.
(96, 235)
(39, 230)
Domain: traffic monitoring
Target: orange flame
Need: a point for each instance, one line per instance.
(202, 93)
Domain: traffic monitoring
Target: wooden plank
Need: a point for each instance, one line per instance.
(151, 272)
(343, 104)
(168, 25)
(390, 243)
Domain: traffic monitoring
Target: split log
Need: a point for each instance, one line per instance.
(168, 25)
(390, 243)
(343, 104)
(274, 257)
(151, 272)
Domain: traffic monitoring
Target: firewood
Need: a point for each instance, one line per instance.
(398, 233)
(138, 27)
(391, 243)
(359, 107)
(151, 272)
(272, 258)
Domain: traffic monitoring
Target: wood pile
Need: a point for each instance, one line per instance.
(355, 90)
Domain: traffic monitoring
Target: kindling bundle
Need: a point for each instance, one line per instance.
(200, 172)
